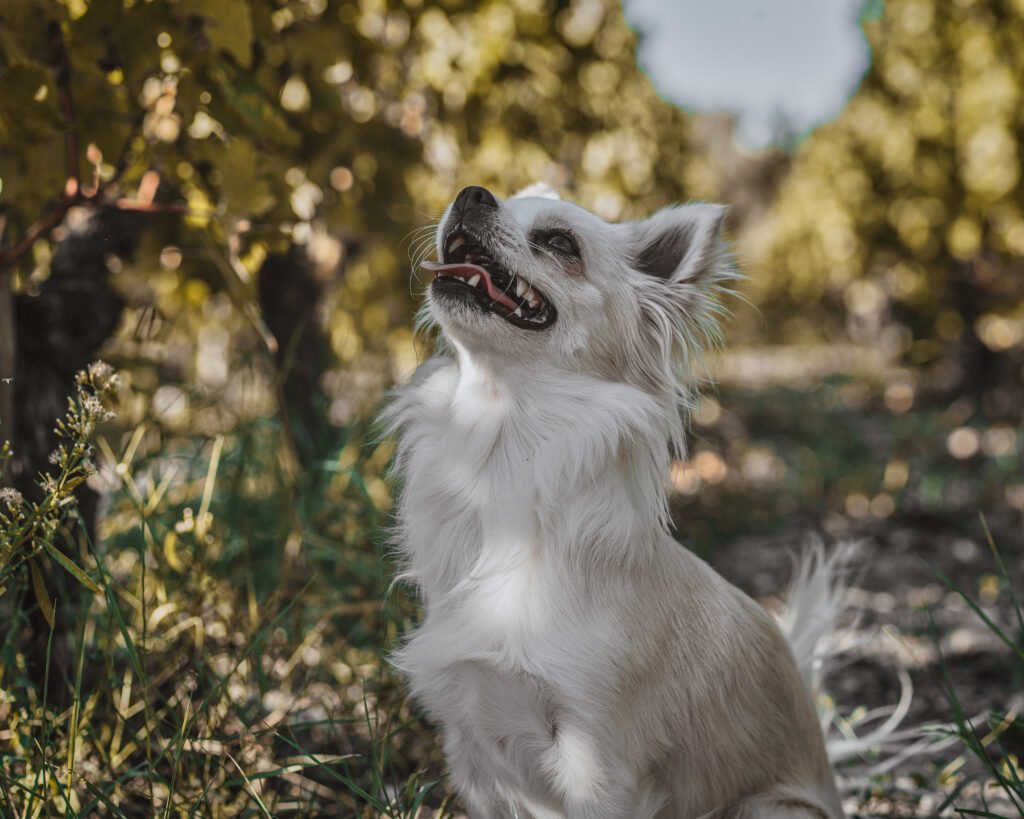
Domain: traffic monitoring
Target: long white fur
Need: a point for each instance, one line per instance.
(581, 662)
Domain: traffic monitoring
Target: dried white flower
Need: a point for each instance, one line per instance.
(102, 376)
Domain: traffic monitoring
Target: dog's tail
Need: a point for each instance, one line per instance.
(816, 602)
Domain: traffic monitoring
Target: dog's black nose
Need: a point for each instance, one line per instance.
(474, 197)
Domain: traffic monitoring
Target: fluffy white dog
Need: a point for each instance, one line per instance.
(581, 662)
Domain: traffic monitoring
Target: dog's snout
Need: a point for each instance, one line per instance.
(474, 197)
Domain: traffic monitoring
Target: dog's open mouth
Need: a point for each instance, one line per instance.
(467, 268)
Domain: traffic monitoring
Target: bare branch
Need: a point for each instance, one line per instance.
(35, 232)
(73, 192)
(152, 207)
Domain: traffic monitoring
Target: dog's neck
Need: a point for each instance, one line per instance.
(502, 460)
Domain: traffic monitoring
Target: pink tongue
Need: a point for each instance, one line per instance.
(467, 271)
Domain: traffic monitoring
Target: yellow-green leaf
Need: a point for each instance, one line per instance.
(71, 568)
(227, 24)
(42, 597)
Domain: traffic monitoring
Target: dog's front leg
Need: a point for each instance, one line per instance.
(596, 782)
(620, 798)
(779, 803)
(475, 783)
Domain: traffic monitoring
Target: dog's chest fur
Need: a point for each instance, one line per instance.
(489, 517)
(506, 497)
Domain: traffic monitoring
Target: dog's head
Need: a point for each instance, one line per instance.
(536, 282)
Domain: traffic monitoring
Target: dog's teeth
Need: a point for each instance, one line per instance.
(521, 287)
(530, 296)
(456, 243)
(519, 312)
(474, 281)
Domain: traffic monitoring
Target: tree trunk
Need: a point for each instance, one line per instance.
(8, 353)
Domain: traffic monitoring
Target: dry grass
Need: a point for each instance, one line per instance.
(225, 657)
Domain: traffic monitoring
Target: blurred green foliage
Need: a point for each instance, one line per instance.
(904, 217)
(335, 125)
(346, 125)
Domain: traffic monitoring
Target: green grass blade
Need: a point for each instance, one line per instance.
(69, 566)
(968, 735)
(76, 707)
(349, 783)
(179, 745)
(122, 625)
(1004, 573)
(993, 627)
(100, 798)
(251, 789)
(42, 596)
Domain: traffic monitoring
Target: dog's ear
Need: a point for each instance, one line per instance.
(681, 268)
(682, 243)
(685, 270)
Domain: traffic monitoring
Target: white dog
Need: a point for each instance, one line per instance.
(582, 662)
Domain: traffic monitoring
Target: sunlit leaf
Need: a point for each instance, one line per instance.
(41, 595)
(68, 565)
(226, 23)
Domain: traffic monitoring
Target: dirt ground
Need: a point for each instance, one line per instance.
(903, 617)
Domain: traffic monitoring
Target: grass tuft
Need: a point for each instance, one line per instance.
(227, 653)
(997, 774)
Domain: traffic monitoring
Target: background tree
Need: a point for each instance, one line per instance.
(904, 217)
(328, 124)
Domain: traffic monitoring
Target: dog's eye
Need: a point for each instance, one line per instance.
(563, 243)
